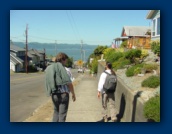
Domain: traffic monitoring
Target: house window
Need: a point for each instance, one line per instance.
(153, 30)
(156, 27)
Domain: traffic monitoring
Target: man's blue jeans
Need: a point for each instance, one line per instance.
(61, 102)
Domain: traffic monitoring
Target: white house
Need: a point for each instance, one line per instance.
(17, 56)
(154, 15)
(16, 64)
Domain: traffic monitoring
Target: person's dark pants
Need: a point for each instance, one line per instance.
(61, 102)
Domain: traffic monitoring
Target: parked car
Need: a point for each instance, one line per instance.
(80, 70)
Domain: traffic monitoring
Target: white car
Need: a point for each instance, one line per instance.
(39, 69)
(80, 70)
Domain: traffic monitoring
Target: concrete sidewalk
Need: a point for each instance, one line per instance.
(86, 108)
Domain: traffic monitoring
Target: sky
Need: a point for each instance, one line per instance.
(92, 27)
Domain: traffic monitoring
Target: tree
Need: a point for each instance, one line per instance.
(69, 62)
(99, 50)
(124, 44)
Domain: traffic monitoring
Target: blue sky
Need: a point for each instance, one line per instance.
(93, 27)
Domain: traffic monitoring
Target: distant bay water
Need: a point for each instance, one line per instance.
(75, 53)
(72, 50)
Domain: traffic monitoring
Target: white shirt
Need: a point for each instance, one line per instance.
(70, 74)
(64, 88)
(102, 80)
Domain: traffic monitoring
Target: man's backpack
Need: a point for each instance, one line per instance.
(110, 83)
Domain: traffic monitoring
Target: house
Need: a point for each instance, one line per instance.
(37, 57)
(17, 56)
(16, 64)
(42, 57)
(154, 15)
(34, 55)
(136, 36)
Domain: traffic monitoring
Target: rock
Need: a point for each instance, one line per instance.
(140, 75)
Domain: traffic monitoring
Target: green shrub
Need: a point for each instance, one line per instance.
(150, 67)
(123, 44)
(155, 47)
(152, 82)
(144, 53)
(132, 54)
(94, 66)
(99, 50)
(130, 71)
(152, 109)
(137, 70)
(120, 63)
(107, 51)
(113, 56)
(69, 62)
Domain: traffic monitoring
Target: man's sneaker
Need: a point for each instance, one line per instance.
(114, 119)
(105, 119)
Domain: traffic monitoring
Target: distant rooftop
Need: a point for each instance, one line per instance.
(135, 30)
(16, 48)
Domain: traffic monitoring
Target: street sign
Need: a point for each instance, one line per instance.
(80, 62)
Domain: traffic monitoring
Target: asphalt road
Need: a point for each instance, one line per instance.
(27, 94)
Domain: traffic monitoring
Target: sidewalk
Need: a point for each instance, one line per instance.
(86, 108)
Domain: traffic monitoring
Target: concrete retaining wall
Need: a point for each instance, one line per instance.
(129, 104)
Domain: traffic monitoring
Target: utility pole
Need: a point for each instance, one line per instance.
(26, 62)
(81, 49)
(44, 57)
(84, 55)
(55, 48)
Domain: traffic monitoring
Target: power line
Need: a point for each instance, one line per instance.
(70, 21)
(75, 24)
(70, 40)
(81, 48)
(31, 36)
(55, 47)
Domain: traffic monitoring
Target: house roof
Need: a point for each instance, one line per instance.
(16, 48)
(41, 52)
(135, 30)
(15, 60)
(29, 54)
(34, 52)
(150, 14)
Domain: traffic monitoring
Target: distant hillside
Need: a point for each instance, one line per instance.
(72, 50)
(39, 46)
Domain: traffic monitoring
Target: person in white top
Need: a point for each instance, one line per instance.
(70, 74)
(107, 97)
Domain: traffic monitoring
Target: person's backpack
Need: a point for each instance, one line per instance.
(110, 83)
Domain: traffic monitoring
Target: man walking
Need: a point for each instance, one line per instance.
(58, 85)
